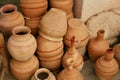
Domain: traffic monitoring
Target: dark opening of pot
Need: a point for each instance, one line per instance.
(9, 11)
(21, 33)
(42, 75)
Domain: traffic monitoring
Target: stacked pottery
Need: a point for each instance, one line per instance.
(10, 18)
(65, 5)
(73, 55)
(106, 66)
(33, 10)
(19, 46)
(43, 74)
(77, 28)
(97, 46)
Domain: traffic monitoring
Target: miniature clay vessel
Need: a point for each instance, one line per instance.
(75, 55)
(106, 66)
(97, 46)
(117, 52)
(53, 25)
(35, 8)
(50, 53)
(23, 70)
(10, 18)
(21, 45)
(43, 74)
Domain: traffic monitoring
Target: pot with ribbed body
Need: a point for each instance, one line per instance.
(23, 70)
(106, 66)
(19, 44)
(10, 18)
(35, 8)
(53, 25)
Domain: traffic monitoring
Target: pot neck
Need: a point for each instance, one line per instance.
(100, 34)
(109, 54)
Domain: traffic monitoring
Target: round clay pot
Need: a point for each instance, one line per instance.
(97, 46)
(53, 25)
(23, 70)
(35, 8)
(78, 29)
(106, 66)
(10, 18)
(43, 74)
(19, 44)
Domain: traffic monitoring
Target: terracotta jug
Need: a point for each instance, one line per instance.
(106, 66)
(23, 70)
(70, 73)
(97, 46)
(117, 52)
(10, 18)
(19, 44)
(75, 55)
(50, 53)
(53, 25)
(43, 74)
(35, 8)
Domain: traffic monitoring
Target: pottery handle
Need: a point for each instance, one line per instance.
(109, 54)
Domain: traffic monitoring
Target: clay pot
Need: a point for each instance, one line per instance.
(97, 46)
(76, 57)
(106, 66)
(10, 18)
(19, 44)
(117, 52)
(35, 8)
(77, 28)
(53, 25)
(23, 70)
(70, 16)
(43, 74)
(70, 73)
(33, 24)
(50, 53)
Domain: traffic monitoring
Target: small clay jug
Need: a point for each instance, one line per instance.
(22, 45)
(117, 52)
(106, 66)
(10, 18)
(43, 74)
(53, 25)
(24, 70)
(75, 55)
(70, 73)
(34, 8)
(97, 46)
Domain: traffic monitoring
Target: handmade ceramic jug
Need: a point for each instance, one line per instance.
(53, 25)
(75, 55)
(106, 66)
(23, 70)
(43, 74)
(97, 46)
(21, 45)
(117, 52)
(35, 8)
(10, 18)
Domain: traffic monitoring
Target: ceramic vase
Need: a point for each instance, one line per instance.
(53, 25)
(97, 46)
(43, 74)
(106, 66)
(10, 18)
(23, 70)
(21, 45)
(50, 53)
(35, 8)
(75, 55)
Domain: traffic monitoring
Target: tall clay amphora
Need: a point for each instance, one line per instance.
(22, 45)
(53, 25)
(34, 8)
(43, 74)
(10, 18)
(77, 28)
(73, 54)
(97, 46)
(23, 70)
(50, 53)
(106, 66)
